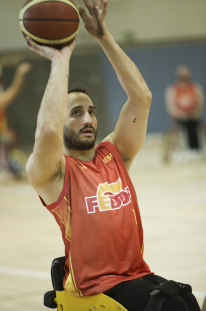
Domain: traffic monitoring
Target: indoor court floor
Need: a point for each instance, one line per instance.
(172, 201)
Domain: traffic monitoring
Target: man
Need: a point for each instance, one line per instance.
(7, 97)
(88, 190)
(184, 101)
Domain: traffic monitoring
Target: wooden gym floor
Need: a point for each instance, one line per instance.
(172, 200)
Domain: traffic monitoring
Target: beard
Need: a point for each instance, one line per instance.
(73, 142)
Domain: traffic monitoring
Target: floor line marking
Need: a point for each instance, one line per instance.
(25, 272)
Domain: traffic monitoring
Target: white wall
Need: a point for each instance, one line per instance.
(145, 20)
(159, 19)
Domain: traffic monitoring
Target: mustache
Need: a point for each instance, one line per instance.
(87, 127)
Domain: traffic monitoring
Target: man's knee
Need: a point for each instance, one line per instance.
(175, 303)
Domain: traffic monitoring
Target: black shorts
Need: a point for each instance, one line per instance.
(134, 295)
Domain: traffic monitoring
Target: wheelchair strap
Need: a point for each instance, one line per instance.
(161, 292)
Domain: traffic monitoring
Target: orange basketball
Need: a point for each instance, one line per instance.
(53, 23)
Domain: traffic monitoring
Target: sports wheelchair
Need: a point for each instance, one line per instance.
(63, 301)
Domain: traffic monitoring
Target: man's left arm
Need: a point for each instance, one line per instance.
(130, 130)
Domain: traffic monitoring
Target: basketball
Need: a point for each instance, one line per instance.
(53, 23)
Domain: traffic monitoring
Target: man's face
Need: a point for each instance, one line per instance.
(80, 129)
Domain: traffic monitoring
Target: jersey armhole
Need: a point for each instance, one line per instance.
(52, 206)
(112, 148)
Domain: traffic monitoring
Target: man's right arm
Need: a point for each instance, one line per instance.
(45, 167)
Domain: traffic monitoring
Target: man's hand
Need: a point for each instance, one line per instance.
(95, 24)
(49, 52)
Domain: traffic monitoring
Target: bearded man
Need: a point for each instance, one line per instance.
(88, 190)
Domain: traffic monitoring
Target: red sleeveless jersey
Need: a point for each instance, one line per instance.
(99, 217)
(186, 97)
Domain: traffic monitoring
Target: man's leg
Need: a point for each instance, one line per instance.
(191, 302)
(134, 295)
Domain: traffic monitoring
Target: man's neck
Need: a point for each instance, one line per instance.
(84, 155)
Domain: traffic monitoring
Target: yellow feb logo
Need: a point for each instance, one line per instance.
(109, 197)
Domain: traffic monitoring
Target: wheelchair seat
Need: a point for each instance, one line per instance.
(63, 301)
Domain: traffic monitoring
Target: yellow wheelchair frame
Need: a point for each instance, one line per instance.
(67, 302)
(63, 301)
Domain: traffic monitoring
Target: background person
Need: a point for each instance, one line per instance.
(184, 102)
(8, 136)
(88, 190)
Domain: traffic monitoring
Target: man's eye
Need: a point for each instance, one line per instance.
(92, 113)
(76, 112)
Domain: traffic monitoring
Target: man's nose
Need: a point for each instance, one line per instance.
(87, 118)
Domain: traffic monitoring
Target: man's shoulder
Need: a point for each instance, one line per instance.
(106, 145)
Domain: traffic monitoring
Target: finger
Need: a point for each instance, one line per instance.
(41, 50)
(73, 44)
(96, 3)
(29, 40)
(105, 9)
(36, 47)
(33, 44)
(89, 6)
(29, 44)
(83, 14)
(101, 5)
(31, 47)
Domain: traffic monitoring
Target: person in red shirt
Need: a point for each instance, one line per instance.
(89, 190)
(184, 102)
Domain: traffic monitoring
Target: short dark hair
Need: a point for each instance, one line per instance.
(78, 89)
